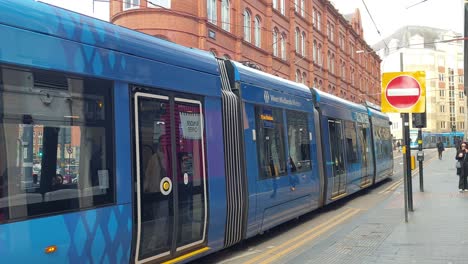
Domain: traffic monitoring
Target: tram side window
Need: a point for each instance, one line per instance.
(299, 142)
(384, 142)
(378, 142)
(56, 143)
(351, 141)
(270, 142)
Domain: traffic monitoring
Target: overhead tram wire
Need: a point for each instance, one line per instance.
(378, 31)
(410, 6)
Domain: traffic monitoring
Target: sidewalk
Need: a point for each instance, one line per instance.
(436, 232)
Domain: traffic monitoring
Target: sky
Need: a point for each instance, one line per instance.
(389, 15)
(101, 9)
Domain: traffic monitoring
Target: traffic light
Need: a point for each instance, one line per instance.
(39, 153)
(419, 120)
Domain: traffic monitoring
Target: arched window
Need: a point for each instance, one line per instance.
(213, 51)
(343, 70)
(319, 55)
(275, 42)
(211, 11)
(314, 52)
(275, 4)
(258, 32)
(247, 33)
(333, 63)
(304, 78)
(298, 76)
(296, 6)
(227, 57)
(329, 89)
(226, 15)
(283, 46)
(315, 83)
(303, 44)
(329, 60)
(297, 37)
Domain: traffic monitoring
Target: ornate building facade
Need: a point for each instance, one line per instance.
(304, 41)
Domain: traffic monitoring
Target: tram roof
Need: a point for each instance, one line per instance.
(65, 24)
(268, 81)
(322, 98)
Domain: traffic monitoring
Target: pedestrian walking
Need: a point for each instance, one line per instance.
(398, 144)
(440, 148)
(462, 167)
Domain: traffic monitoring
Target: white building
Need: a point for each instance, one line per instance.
(437, 53)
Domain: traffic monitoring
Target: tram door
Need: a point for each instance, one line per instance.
(170, 176)
(366, 160)
(337, 156)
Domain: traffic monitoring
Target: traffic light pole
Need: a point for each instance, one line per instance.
(406, 149)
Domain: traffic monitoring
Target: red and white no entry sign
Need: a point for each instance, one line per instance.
(403, 92)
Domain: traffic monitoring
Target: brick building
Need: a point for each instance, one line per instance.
(306, 41)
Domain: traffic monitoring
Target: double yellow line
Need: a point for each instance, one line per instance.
(285, 248)
(396, 184)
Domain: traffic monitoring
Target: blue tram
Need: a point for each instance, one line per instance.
(118, 147)
(430, 139)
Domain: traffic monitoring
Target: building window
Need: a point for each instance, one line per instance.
(460, 79)
(275, 4)
(298, 76)
(330, 30)
(247, 25)
(351, 50)
(342, 41)
(282, 6)
(303, 44)
(461, 94)
(319, 55)
(314, 52)
(283, 46)
(462, 110)
(159, 4)
(442, 108)
(319, 19)
(343, 70)
(442, 93)
(441, 77)
(211, 11)
(297, 39)
(296, 6)
(275, 42)
(442, 124)
(303, 7)
(129, 4)
(332, 67)
(304, 78)
(226, 15)
(314, 18)
(258, 32)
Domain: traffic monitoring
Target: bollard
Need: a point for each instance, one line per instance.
(413, 162)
